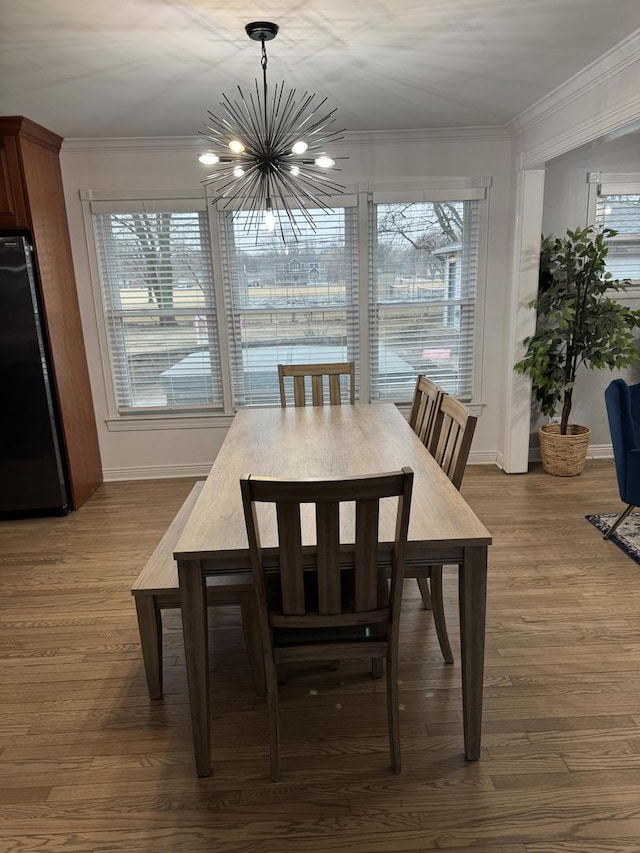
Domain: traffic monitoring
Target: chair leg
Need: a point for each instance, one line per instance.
(248, 608)
(619, 521)
(150, 627)
(274, 729)
(439, 619)
(393, 711)
(423, 586)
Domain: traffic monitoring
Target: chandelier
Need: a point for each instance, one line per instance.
(271, 154)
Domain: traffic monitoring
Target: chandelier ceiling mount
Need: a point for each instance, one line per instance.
(262, 30)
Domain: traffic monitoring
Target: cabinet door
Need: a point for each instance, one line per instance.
(13, 212)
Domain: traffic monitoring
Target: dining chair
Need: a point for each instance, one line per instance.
(424, 407)
(422, 419)
(317, 374)
(333, 603)
(450, 444)
(622, 402)
(452, 436)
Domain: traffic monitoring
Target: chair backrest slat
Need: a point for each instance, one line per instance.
(334, 389)
(452, 436)
(366, 558)
(328, 539)
(317, 372)
(317, 394)
(291, 562)
(299, 394)
(424, 408)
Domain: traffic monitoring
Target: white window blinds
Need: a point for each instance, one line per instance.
(423, 295)
(157, 288)
(621, 211)
(293, 303)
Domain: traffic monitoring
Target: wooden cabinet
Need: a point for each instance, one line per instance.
(12, 207)
(32, 199)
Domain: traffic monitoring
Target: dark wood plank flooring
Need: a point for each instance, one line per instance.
(89, 765)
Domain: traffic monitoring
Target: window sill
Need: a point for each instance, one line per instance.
(135, 423)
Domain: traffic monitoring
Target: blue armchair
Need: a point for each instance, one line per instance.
(623, 411)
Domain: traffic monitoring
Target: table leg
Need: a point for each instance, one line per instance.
(193, 603)
(472, 584)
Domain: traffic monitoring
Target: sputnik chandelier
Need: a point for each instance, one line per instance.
(270, 154)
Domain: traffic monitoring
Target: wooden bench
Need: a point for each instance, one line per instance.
(157, 589)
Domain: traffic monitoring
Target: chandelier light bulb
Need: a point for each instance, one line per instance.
(269, 220)
(236, 146)
(238, 171)
(299, 147)
(209, 158)
(324, 161)
(295, 171)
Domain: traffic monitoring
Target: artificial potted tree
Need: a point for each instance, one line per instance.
(577, 324)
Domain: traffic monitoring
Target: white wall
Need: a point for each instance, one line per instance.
(380, 158)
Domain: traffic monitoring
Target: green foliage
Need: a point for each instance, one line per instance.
(577, 322)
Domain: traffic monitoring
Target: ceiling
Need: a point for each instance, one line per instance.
(113, 68)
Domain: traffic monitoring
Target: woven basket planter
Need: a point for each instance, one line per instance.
(564, 455)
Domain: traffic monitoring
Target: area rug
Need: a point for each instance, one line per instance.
(626, 537)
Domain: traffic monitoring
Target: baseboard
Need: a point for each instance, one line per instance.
(484, 457)
(155, 472)
(600, 451)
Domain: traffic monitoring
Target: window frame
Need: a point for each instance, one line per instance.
(351, 307)
(603, 184)
(442, 189)
(359, 196)
(117, 202)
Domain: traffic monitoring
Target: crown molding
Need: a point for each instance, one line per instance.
(133, 143)
(193, 143)
(605, 123)
(435, 134)
(622, 55)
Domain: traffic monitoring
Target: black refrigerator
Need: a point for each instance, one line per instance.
(33, 474)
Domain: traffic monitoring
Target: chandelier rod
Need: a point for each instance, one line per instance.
(263, 62)
(267, 134)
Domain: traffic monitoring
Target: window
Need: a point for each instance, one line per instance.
(621, 211)
(423, 295)
(198, 312)
(293, 303)
(157, 291)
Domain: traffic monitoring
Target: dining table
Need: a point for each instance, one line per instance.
(329, 442)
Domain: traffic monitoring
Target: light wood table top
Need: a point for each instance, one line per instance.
(328, 441)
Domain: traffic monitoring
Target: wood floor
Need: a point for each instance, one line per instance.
(88, 764)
